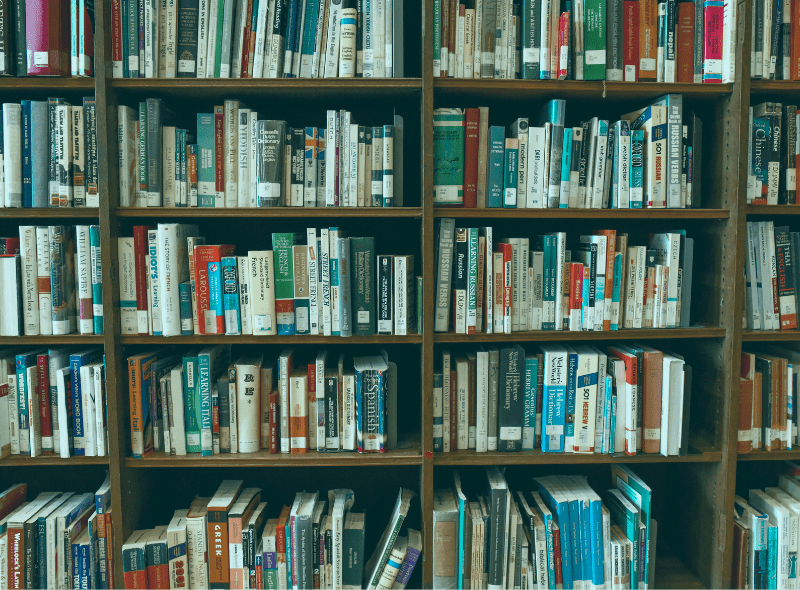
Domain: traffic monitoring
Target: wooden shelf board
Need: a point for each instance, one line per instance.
(574, 89)
(410, 456)
(52, 340)
(548, 335)
(762, 455)
(671, 572)
(50, 460)
(782, 88)
(540, 458)
(586, 213)
(45, 83)
(296, 339)
(190, 212)
(770, 335)
(773, 210)
(49, 213)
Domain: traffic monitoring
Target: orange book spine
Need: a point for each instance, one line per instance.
(647, 40)
(651, 398)
(136, 406)
(758, 411)
(611, 240)
(744, 442)
(218, 559)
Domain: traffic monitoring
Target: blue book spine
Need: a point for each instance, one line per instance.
(572, 377)
(611, 447)
(230, 296)
(206, 182)
(566, 167)
(637, 168)
(561, 510)
(462, 506)
(27, 155)
(577, 544)
(125, 53)
(185, 301)
(529, 407)
(131, 40)
(291, 37)
(215, 289)
(23, 362)
(548, 273)
(772, 557)
(205, 404)
(551, 564)
(76, 565)
(596, 543)
(616, 291)
(494, 177)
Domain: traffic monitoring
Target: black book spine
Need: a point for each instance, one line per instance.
(385, 303)
(777, 20)
(20, 49)
(188, 13)
(332, 413)
(497, 544)
(759, 38)
(298, 164)
(29, 534)
(788, 192)
(786, 284)
(362, 290)
(510, 404)
(315, 553)
(92, 175)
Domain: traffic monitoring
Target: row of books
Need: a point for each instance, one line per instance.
(59, 540)
(241, 160)
(51, 281)
(172, 283)
(47, 38)
(201, 402)
(317, 542)
(773, 45)
(511, 285)
(615, 40)
(649, 158)
(772, 154)
(49, 153)
(53, 402)
(557, 533)
(257, 39)
(764, 550)
(771, 277)
(768, 399)
(562, 399)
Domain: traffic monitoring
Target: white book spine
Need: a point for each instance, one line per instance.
(30, 278)
(330, 159)
(242, 263)
(352, 166)
(400, 295)
(535, 176)
(347, 42)
(488, 296)
(349, 411)
(324, 7)
(87, 407)
(325, 274)
(312, 260)
(202, 36)
(168, 158)
(262, 293)
(169, 235)
(154, 282)
(638, 311)
(231, 150)
(12, 154)
(320, 393)
(253, 181)
(211, 39)
(153, 29)
(244, 156)
(78, 154)
(35, 427)
(482, 402)
(84, 280)
(196, 551)
(247, 401)
(332, 49)
(62, 386)
(100, 412)
(379, 28)
(469, 43)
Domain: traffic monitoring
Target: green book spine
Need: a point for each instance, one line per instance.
(594, 39)
(494, 178)
(363, 283)
(191, 394)
(284, 281)
(220, 28)
(472, 278)
(448, 156)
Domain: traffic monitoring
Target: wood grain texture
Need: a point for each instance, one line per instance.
(550, 335)
(264, 459)
(266, 212)
(639, 214)
(47, 213)
(773, 210)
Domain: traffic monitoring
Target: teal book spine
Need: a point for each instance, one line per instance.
(206, 189)
(191, 401)
(611, 446)
(572, 377)
(772, 557)
(448, 156)
(284, 282)
(608, 417)
(637, 169)
(510, 173)
(230, 296)
(97, 278)
(204, 378)
(566, 167)
(472, 280)
(494, 177)
(529, 406)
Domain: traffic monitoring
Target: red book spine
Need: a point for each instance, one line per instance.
(273, 423)
(110, 550)
(651, 398)
(563, 45)
(471, 158)
(712, 39)
(45, 409)
(794, 55)
(557, 555)
(16, 558)
(140, 249)
(451, 37)
(9, 245)
(116, 37)
(453, 409)
(506, 250)
(246, 40)
(203, 255)
(445, 34)
(219, 151)
(575, 292)
(685, 45)
(259, 576)
(312, 403)
(630, 58)
(86, 50)
(46, 37)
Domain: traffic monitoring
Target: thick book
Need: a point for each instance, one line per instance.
(511, 402)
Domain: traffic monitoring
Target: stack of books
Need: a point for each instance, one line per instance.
(523, 284)
(763, 546)
(42, 38)
(172, 283)
(774, 49)
(201, 402)
(562, 399)
(654, 41)
(771, 277)
(557, 533)
(257, 39)
(768, 399)
(57, 540)
(317, 542)
(649, 158)
(772, 154)
(53, 402)
(52, 281)
(49, 153)
(236, 159)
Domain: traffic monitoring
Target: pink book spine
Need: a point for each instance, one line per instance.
(712, 36)
(45, 37)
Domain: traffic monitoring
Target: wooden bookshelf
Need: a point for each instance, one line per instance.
(696, 488)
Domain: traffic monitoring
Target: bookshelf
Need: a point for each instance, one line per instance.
(694, 492)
